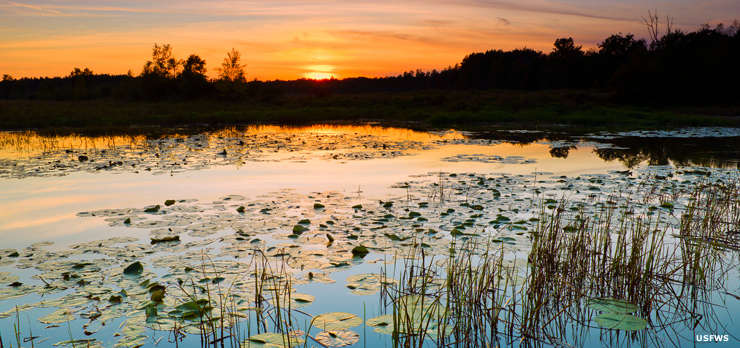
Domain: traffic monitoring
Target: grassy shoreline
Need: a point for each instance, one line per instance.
(575, 111)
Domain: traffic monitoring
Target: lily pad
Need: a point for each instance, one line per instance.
(360, 251)
(165, 239)
(274, 340)
(335, 321)
(364, 284)
(299, 229)
(337, 338)
(134, 269)
(381, 321)
(618, 321)
(612, 305)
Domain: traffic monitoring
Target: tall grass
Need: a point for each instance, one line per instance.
(224, 320)
(478, 298)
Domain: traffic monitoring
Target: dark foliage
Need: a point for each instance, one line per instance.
(686, 68)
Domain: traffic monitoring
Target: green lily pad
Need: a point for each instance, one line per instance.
(612, 305)
(419, 314)
(274, 340)
(360, 251)
(134, 269)
(618, 321)
(299, 229)
(192, 310)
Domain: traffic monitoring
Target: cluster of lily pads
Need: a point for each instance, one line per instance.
(176, 153)
(142, 277)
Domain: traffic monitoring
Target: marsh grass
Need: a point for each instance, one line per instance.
(224, 319)
(479, 297)
(479, 294)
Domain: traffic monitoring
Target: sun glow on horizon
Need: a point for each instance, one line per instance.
(319, 75)
(320, 72)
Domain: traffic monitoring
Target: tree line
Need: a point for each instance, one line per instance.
(671, 66)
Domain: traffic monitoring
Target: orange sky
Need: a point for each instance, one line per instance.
(303, 38)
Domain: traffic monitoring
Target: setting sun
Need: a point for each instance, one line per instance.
(318, 75)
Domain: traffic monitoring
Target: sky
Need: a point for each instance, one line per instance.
(313, 38)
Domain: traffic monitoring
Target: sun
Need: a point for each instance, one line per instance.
(318, 75)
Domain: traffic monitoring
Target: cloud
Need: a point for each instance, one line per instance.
(503, 21)
(544, 8)
(384, 35)
(35, 8)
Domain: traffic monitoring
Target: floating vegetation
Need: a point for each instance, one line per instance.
(620, 321)
(360, 251)
(135, 268)
(335, 321)
(489, 159)
(366, 283)
(165, 239)
(274, 340)
(44, 156)
(337, 338)
(466, 259)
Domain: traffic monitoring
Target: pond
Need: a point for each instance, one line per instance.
(369, 236)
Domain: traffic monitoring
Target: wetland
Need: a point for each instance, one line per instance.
(369, 236)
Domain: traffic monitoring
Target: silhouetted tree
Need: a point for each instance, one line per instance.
(231, 68)
(675, 67)
(619, 46)
(566, 48)
(163, 63)
(77, 72)
(158, 74)
(193, 80)
(652, 23)
(195, 66)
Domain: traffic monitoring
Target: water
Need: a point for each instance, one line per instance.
(53, 195)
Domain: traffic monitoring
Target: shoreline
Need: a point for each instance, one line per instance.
(570, 111)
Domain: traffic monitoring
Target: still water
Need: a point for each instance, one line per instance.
(76, 210)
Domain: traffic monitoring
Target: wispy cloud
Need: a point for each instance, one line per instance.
(545, 7)
(34, 8)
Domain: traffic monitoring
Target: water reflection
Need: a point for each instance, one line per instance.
(714, 152)
(243, 191)
(179, 146)
(16, 145)
(706, 152)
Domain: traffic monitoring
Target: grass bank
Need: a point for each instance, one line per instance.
(573, 110)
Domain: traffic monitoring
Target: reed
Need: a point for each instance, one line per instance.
(479, 298)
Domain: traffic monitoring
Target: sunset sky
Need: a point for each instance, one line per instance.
(293, 39)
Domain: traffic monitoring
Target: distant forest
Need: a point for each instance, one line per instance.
(672, 66)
